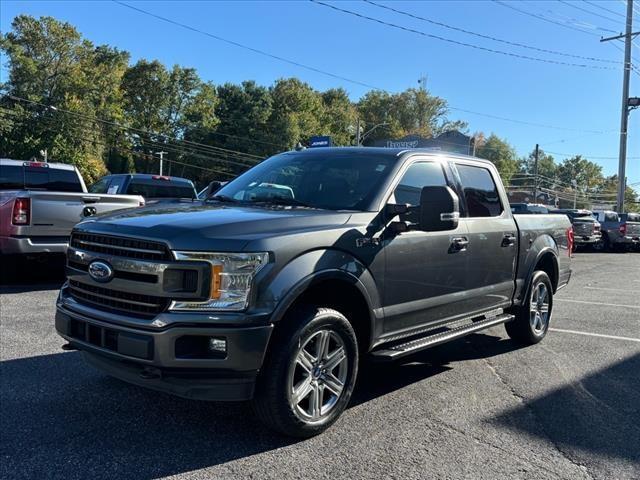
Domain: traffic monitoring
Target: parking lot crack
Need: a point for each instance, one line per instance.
(520, 399)
(503, 450)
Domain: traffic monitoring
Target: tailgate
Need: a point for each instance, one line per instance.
(55, 213)
(633, 229)
(583, 228)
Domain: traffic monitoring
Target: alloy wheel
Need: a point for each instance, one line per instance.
(318, 375)
(539, 309)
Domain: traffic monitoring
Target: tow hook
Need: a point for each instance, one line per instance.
(149, 373)
(67, 347)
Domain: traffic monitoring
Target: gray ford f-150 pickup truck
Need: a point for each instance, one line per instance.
(276, 287)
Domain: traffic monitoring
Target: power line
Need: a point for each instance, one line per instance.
(456, 42)
(604, 8)
(540, 17)
(588, 11)
(521, 122)
(588, 156)
(245, 47)
(151, 144)
(124, 127)
(577, 22)
(489, 37)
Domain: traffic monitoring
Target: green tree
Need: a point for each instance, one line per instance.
(338, 116)
(546, 164)
(296, 114)
(607, 192)
(413, 111)
(244, 111)
(50, 63)
(586, 174)
(165, 105)
(501, 154)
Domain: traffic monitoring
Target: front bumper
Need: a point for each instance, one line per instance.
(33, 245)
(149, 358)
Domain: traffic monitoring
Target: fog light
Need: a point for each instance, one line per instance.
(218, 345)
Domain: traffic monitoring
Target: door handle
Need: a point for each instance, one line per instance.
(459, 244)
(508, 240)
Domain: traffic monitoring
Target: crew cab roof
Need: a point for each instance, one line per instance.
(20, 163)
(149, 176)
(384, 152)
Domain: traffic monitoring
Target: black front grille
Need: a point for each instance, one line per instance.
(120, 247)
(145, 306)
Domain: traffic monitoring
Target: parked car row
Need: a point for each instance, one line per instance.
(602, 230)
(41, 202)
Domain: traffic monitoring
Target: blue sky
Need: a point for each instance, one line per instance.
(577, 99)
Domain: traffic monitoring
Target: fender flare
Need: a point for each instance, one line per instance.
(315, 267)
(532, 268)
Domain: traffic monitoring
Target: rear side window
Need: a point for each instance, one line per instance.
(39, 178)
(11, 177)
(160, 189)
(480, 191)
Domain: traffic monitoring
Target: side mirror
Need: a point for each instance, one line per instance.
(212, 188)
(439, 209)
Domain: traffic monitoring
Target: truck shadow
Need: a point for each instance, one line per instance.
(30, 275)
(60, 418)
(597, 415)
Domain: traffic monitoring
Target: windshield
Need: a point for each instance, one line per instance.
(336, 182)
(160, 189)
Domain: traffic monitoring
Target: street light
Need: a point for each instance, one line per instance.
(360, 138)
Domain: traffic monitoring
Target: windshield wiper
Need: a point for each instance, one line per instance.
(223, 198)
(282, 201)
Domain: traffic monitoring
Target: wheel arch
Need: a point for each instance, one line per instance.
(338, 290)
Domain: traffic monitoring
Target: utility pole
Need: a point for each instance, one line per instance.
(161, 158)
(535, 174)
(358, 132)
(624, 121)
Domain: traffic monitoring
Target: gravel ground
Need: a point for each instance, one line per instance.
(477, 408)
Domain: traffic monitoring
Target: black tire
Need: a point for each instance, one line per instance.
(273, 401)
(522, 328)
(606, 244)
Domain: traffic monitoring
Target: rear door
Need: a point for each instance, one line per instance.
(493, 237)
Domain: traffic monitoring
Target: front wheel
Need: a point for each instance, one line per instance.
(309, 374)
(532, 318)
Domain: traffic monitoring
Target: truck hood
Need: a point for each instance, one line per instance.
(205, 226)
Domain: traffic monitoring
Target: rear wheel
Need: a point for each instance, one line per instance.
(532, 318)
(308, 378)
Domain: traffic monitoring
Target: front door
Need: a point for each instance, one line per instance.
(424, 271)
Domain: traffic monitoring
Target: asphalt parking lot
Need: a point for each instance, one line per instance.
(477, 408)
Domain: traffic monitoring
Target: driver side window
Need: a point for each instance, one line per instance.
(417, 176)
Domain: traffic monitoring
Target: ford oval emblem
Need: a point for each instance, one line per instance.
(100, 271)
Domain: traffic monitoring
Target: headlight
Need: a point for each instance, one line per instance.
(231, 278)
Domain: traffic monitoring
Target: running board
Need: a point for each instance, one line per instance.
(393, 351)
